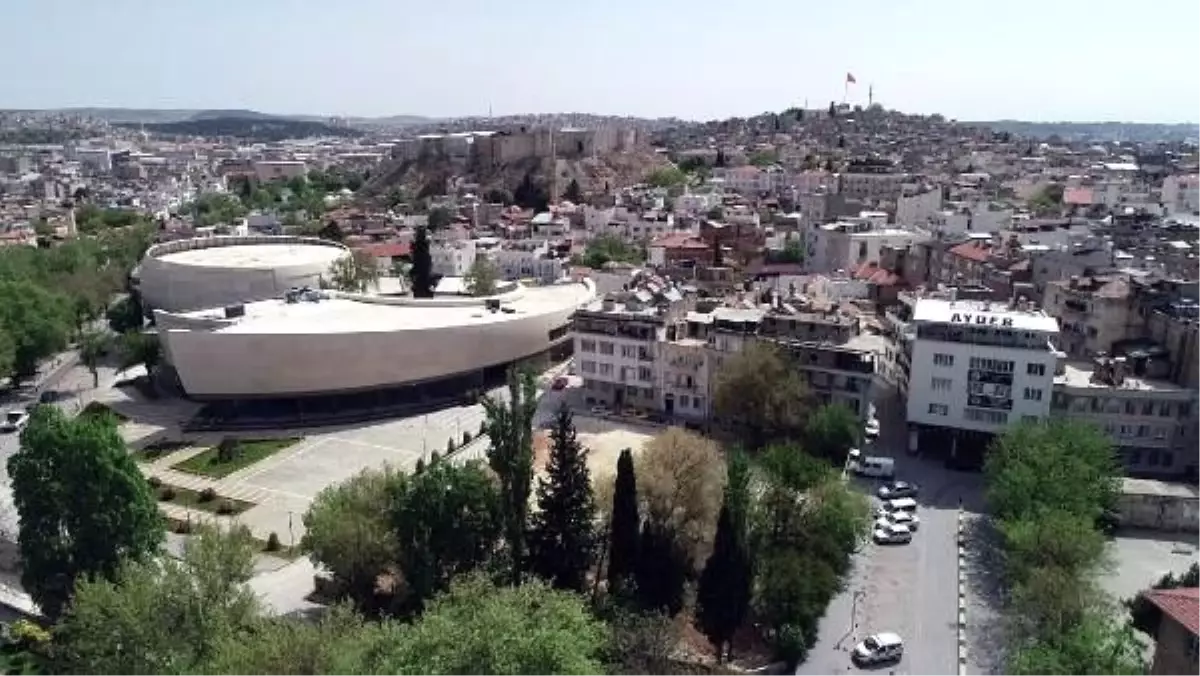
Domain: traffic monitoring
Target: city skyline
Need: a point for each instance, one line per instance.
(694, 60)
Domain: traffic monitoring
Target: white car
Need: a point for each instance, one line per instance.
(15, 421)
(876, 648)
(892, 534)
(872, 429)
(899, 518)
(897, 489)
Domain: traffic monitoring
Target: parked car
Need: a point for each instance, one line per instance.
(15, 421)
(871, 431)
(897, 505)
(898, 489)
(559, 383)
(601, 411)
(892, 534)
(899, 518)
(877, 648)
(879, 468)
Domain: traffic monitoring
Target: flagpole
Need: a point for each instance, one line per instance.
(845, 89)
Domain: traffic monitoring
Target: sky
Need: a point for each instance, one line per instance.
(1078, 60)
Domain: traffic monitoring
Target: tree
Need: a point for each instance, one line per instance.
(573, 192)
(1092, 645)
(139, 349)
(421, 273)
(117, 626)
(93, 347)
(349, 532)
(724, 593)
(354, 273)
(562, 537)
(8, 354)
(832, 110)
(680, 475)
(720, 161)
(84, 506)
(830, 433)
(661, 570)
(761, 394)
(605, 248)
(481, 279)
(666, 177)
(623, 525)
(439, 218)
(763, 158)
(447, 522)
(510, 432)
(723, 597)
(793, 251)
(39, 322)
(477, 627)
(125, 315)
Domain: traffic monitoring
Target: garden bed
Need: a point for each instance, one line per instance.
(208, 501)
(158, 449)
(246, 452)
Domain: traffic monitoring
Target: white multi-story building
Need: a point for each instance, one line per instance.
(528, 259)
(697, 203)
(917, 209)
(845, 246)
(1181, 194)
(971, 218)
(976, 368)
(453, 259)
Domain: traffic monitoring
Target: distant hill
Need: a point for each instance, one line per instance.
(233, 114)
(264, 129)
(1096, 131)
(167, 115)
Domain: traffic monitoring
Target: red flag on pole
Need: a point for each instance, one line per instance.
(850, 78)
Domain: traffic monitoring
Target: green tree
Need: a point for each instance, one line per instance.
(723, 596)
(8, 354)
(763, 158)
(666, 177)
(84, 506)
(117, 626)
(39, 322)
(125, 315)
(93, 347)
(477, 627)
(793, 251)
(354, 273)
(349, 532)
(139, 349)
(420, 275)
(439, 218)
(761, 394)
(562, 536)
(510, 432)
(605, 248)
(680, 475)
(623, 525)
(481, 279)
(573, 192)
(662, 569)
(830, 433)
(447, 522)
(1092, 645)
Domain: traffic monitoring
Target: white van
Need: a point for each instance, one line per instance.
(879, 468)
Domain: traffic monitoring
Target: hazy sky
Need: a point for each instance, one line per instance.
(968, 59)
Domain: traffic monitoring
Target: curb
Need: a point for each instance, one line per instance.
(962, 596)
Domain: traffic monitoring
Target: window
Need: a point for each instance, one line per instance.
(605, 369)
(940, 359)
(684, 401)
(1035, 369)
(939, 409)
(1143, 430)
(1147, 407)
(606, 347)
(993, 365)
(940, 384)
(1033, 394)
(1164, 410)
(985, 416)
(628, 351)
(698, 402)
(644, 373)
(587, 366)
(1168, 459)
(587, 346)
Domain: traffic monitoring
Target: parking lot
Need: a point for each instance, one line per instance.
(909, 589)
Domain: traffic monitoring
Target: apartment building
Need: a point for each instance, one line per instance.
(1181, 194)
(847, 245)
(453, 258)
(1093, 312)
(1153, 423)
(975, 367)
(917, 208)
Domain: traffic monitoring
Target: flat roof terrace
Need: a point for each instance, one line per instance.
(344, 314)
(256, 256)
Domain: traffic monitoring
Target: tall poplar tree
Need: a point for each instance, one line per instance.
(623, 529)
(562, 535)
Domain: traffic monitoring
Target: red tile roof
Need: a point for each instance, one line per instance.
(1081, 196)
(388, 249)
(1181, 605)
(871, 272)
(972, 251)
(679, 240)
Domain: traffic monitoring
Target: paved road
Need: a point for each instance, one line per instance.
(908, 589)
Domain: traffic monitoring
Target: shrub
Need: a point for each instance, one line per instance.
(273, 544)
(154, 482)
(167, 494)
(434, 458)
(420, 467)
(208, 494)
(226, 507)
(28, 634)
(227, 450)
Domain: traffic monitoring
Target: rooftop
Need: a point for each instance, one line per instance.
(1181, 605)
(1078, 374)
(964, 312)
(349, 315)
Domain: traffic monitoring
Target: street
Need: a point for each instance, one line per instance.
(909, 589)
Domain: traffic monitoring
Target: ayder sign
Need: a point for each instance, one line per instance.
(984, 320)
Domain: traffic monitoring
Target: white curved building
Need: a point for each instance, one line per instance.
(347, 343)
(208, 272)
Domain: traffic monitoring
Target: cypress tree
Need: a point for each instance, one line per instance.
(723, 596)
(661, 569)
(623, 529)
(421, 274)
(562, 536)
(510, 431)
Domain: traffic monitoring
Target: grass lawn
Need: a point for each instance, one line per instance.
(186, 497)
(158, 449)
(249, 452)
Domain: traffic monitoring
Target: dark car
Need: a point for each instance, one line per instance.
(49, 396)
